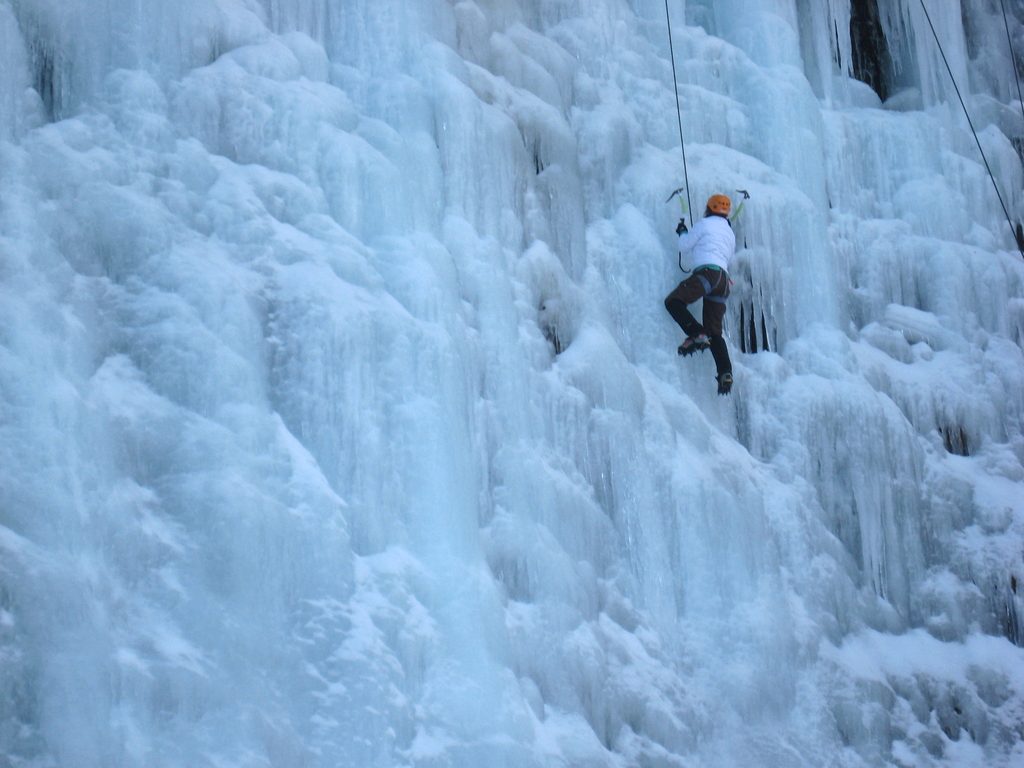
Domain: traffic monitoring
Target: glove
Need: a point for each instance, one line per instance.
(681, 227)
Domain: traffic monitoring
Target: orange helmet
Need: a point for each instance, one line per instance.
(719, 204)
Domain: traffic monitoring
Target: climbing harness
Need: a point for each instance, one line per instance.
(708, 287)
(971, 123)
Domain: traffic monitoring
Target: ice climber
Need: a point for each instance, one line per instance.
(709, 248)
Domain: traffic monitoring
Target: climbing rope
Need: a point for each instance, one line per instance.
(1013, 60)
(679, 113)
(971, 123)
(679, 120)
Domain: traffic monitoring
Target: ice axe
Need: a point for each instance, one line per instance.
(682, 204)
(739, 210)
(674, 193)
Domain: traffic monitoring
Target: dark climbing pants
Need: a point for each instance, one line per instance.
(713, 286)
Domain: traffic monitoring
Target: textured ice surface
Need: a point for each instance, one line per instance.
(341, 420)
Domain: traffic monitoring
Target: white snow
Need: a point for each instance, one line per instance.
(341, 422)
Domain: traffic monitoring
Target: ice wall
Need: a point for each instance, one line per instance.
(341, 419)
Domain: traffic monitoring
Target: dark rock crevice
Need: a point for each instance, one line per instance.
(872, 61)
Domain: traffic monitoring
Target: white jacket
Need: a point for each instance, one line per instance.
(711, 241)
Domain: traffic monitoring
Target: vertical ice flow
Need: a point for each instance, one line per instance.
(341, 423)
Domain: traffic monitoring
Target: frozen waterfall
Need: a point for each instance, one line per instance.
(341, 422)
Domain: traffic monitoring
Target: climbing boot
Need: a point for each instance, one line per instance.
(724, 383)
(693, 344)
